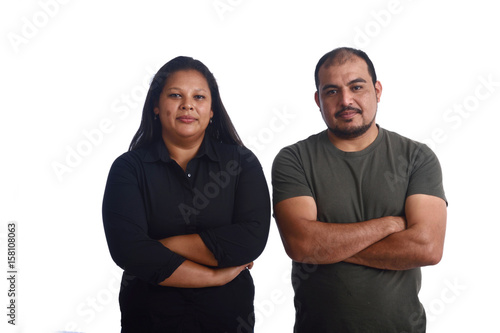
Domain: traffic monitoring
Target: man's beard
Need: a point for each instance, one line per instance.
(353, 132)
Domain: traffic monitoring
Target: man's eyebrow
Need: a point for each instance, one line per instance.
(358, 80)
(329, 86)
(334, 86)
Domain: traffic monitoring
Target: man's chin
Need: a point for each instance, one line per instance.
(350, 133)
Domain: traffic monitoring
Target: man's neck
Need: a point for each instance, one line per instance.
(355, 144)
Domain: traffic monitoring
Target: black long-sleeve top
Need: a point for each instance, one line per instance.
(222, 196)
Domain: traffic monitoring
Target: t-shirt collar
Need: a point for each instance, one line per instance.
(367, 150)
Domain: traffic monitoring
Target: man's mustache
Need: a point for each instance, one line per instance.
(347, 108)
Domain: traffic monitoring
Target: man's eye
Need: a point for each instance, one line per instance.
(357, 88)
(331, 92)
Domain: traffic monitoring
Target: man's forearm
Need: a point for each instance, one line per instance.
(395, 252)
(421, 244)
(328, 243)
(309, 241)
(400, 251)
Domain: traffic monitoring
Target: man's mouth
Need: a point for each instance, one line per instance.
(347, 112)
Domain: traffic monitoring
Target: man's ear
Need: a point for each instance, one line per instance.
(316, 98)
(378, 90)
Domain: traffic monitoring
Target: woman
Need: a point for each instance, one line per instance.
(186, 211)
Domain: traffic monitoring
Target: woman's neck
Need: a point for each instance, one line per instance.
(183, 151)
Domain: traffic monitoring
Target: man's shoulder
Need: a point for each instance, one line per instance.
(306, 144)
(304, 154)
(403, 146)
(401, 140)
(391, 135)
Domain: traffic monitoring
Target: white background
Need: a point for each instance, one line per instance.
(73, 69)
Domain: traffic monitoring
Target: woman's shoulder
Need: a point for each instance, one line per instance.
(136, 157)
(233, 152)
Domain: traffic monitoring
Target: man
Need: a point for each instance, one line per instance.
(360, 209)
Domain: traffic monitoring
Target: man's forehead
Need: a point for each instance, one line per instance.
(341, 58)
(353, 68)
(351, 61)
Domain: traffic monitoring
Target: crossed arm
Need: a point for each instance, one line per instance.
(193, 272)
(188, 261)
(237, 244)
(392, 242)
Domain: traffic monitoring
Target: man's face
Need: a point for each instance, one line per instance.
(347, 98)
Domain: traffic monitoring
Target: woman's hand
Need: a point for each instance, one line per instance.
(226, 275)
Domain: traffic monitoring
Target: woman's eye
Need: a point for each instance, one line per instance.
(199, 97)
(174, 95)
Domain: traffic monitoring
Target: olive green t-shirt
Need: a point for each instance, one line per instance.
(352, 187)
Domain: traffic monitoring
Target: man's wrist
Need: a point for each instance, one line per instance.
(398, 223)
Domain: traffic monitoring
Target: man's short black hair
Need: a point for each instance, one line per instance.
(339, 56)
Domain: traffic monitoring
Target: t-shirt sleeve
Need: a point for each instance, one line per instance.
(426, 175)
(288, 176)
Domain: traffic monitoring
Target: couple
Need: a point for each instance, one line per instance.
(186, 210)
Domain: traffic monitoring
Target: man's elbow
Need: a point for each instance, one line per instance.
(432, 255)
(294, 253)
(435, 257)
(302, 251)
(296, 250)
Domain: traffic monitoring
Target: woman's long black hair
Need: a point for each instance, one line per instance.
(221, 128)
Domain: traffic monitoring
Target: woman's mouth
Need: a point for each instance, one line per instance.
(186, 119)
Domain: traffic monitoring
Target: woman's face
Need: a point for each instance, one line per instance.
(185, 107)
